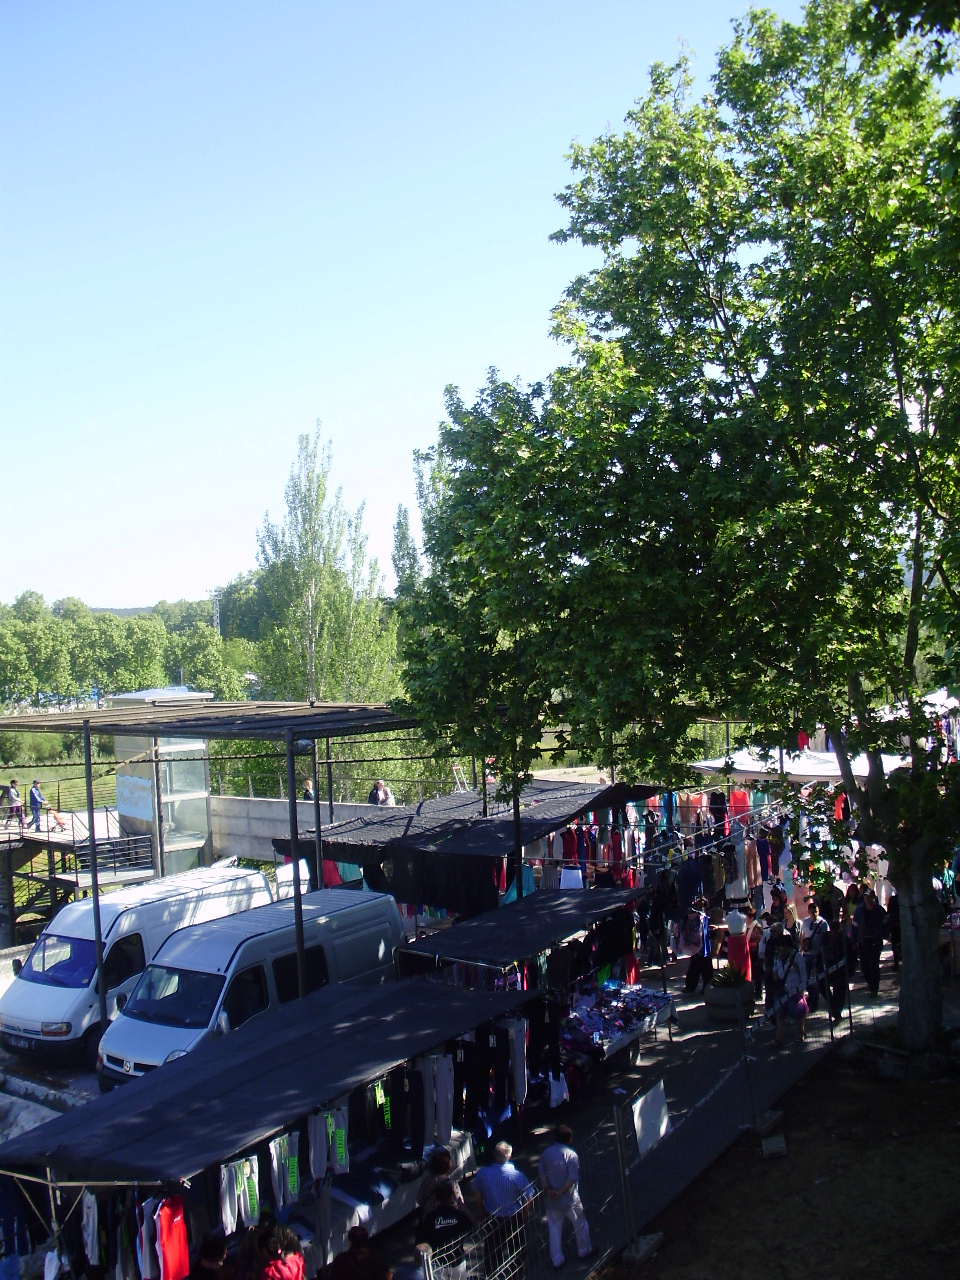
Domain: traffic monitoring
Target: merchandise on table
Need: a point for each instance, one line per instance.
(603, 1022)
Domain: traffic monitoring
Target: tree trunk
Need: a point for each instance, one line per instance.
(921, 992)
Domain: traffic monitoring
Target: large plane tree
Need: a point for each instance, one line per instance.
(764, 398)
(741, 492)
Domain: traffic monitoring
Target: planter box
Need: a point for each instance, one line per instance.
(723, 1003)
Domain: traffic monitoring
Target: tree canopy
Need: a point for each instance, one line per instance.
(325, 633)
(741, 492)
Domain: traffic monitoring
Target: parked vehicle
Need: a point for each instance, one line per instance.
(52, 1007)
(210, 979)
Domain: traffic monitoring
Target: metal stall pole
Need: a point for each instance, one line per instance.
(94, 883)
(517, 846)
(316, 873)
(329, 783)
(747, 1059)
(620, 1129)
(295, 856)
(161, 857)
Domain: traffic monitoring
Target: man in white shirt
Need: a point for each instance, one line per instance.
(559, 1171)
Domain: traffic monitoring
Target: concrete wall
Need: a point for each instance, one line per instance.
(244, 828)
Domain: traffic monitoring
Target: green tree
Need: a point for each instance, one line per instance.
(16, 679)
(200, 656)
(472, 643)
(242, 607)
(758, 439)
(182, 615)
(406, 557)
(324, 632)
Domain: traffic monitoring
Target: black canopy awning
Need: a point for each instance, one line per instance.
(522, 929)
(455, 824)
(229, 1095)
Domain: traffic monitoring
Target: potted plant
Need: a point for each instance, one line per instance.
(727, 994)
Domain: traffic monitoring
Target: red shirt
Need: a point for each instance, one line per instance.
(172, 1239)
(738, 954)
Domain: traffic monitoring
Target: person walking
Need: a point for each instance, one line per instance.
(814, 946)
(559, 1171)
(308, 789)
(504, 1196)
(15, 806)
(790, 976)
(36, 804)
(444, 1228)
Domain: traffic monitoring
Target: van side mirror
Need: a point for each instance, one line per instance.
(121, 1001)
(17, 966)
(223, 1023)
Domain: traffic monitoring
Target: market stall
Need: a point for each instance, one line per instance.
(447, 852)
(320, 1111)
(577, 951)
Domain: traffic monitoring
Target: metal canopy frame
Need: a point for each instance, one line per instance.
(308, 721)
(293, 722)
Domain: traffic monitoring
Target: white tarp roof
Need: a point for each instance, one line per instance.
(749, 764)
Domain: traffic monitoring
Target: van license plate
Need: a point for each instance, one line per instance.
(19, 1042)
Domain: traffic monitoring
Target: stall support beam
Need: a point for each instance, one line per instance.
(161, 852)
(94, 881)
(316, 873)
(329, 783)
(517, 839)
(295, 856)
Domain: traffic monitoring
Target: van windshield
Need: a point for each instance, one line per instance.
(175, 997)
(59, 961)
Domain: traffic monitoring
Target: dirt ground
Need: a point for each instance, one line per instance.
(867, 1188)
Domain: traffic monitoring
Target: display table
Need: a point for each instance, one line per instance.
(615, 1016)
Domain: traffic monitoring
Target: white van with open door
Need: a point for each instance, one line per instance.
(212, 978)
(52, 1007)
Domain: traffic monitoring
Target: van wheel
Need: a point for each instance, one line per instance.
(91, 1043)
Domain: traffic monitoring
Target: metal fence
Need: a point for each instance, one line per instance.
(719, 1085)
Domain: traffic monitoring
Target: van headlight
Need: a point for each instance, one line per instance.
(56, 1028)
(177, 1053)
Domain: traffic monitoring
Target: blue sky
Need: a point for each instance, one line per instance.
(220, 222)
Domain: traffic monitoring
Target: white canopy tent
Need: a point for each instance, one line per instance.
(752, 764)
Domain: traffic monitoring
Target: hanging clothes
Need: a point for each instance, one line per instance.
(172, 1239)
(581, 850)
(285, 1168)
(437, 1073)
(517, 1030)
(91, 1243)
(147, 1239)
(740, 805)
(568, 840)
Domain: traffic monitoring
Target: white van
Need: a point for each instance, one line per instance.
(52, 1006)
(212, 978)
